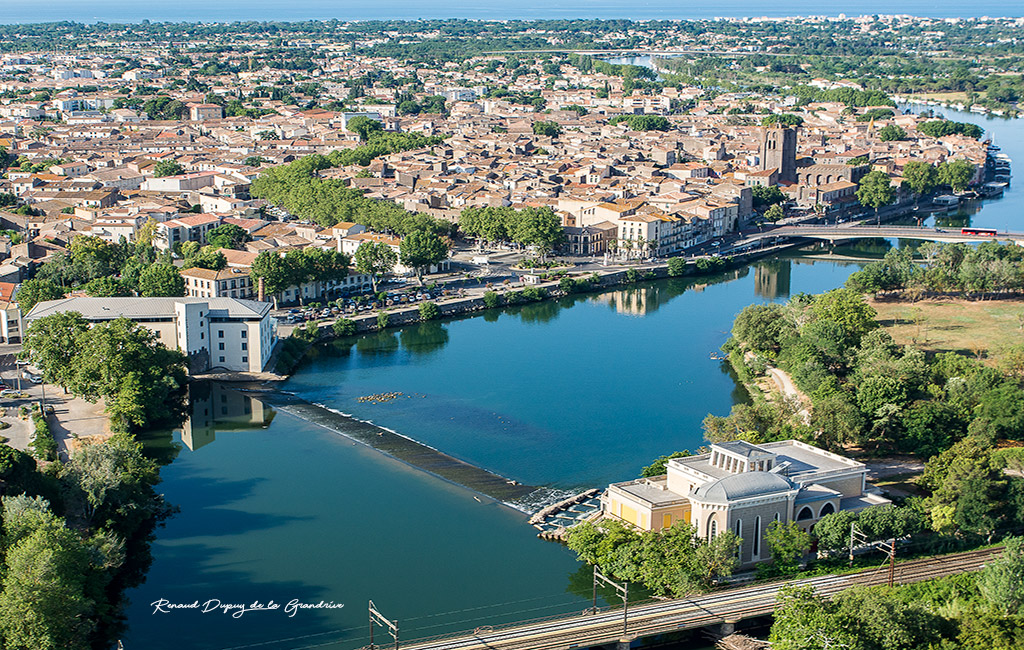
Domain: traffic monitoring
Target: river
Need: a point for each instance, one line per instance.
(567, 394)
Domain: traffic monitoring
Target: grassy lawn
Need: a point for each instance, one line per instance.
(982, 328)
(942, 97)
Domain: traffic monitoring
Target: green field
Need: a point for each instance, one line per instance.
(977, 328)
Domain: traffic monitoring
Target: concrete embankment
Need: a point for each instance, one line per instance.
(406, 450)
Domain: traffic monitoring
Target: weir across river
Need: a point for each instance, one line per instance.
(411, 452)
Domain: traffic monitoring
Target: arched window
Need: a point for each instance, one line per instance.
(712, 528)
(805, 513)
(827, 509)
(739, 536)
(777, 516)
(756, 547)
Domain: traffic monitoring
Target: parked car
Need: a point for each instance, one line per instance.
(10, 393)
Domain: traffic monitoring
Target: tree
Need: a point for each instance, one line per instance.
(52, 342)
(762, 327)
(803, 620)
(421, 249)
(774, 213)
(957, 174)
(847, 308)
(35, 291)
(146, 233)
(344, 327)
(1002, 580)
(660, 465)
(875, 190)
(429, 311)
(161, 279)
(677, 266)
(782, 120)
(227, 235)
(921, 177)
(375, 259)
(788, 543)
(546, 129)
(541, 228)
(767, 195)
(44, 604)
(270, 267)
(364, 127)
(110, 475)
(167, 168)
(208, 257)
(833, 530)
(141, 380)
(892, 132)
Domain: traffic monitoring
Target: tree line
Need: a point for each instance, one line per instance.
(298, 188)
(865, 389)
(75, 537)
(539, 227)
(989, 267)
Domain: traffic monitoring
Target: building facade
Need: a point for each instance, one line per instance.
(743, 487)
(215, 333)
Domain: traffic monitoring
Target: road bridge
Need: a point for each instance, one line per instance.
(722, 607)
(845, 232)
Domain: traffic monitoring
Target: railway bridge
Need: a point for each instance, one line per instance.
(724, 608)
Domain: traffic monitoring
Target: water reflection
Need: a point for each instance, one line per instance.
(772, 278)
(215, 406)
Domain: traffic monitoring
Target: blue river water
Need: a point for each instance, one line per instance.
(568, 394)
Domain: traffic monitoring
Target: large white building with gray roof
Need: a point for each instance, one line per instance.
(216, 333)
(743, 487)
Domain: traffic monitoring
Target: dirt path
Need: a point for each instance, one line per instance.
(72, 419)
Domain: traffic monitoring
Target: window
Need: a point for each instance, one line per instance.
(202, 335)
(245, 346)
(220, 346)
(244, 334)
(245, 359)
(756, 547)
(220, 334)
(222, 359)
(712, 528)
(827, 509)
(805, 513)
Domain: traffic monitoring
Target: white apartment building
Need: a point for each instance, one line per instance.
(215, 333)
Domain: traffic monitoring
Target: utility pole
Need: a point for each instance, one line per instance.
(379, 619)
(856, 538)
(622, 590)
(890, 548)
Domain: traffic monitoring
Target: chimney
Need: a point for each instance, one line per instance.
(260, 294)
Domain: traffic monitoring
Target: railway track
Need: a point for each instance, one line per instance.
(727, 605)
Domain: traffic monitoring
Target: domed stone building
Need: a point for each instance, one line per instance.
(743, 487)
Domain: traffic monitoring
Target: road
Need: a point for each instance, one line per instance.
(729, 606)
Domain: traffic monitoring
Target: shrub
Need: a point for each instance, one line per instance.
(44, 446)
(491, 299)
(567, 285)
(632, 275)
(344, 327)
(429, 311)
(513, 298)
(382, 319)
(535, 293)
(677, 266)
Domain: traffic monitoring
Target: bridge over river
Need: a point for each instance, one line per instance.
(724, 608)
(844, 232)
